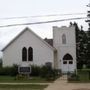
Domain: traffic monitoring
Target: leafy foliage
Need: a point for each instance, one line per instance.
(45, 72)
(73, 77)
(82, 46)
(48, 73)
(10, 71)
(35, 70)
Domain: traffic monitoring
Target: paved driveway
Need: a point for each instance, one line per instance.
(61, 84)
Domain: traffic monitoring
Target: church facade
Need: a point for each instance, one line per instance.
(27, 49)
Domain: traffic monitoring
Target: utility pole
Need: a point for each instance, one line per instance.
(88, 16)
(88, 35)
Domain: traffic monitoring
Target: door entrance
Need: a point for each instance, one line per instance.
(67, 66)
(67, 63)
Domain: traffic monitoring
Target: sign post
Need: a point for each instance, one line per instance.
(24, 70)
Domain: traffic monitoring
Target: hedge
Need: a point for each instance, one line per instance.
(44, 71)
(10, 71)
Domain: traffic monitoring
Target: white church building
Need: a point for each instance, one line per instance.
(27, 49)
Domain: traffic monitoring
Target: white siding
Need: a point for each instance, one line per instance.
(41, 52)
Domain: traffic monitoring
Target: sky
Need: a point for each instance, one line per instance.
(33, 8)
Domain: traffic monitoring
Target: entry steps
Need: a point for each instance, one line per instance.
(63, 77)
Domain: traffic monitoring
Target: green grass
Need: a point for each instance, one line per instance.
(84, 76)
(9, 79)
(22, 87)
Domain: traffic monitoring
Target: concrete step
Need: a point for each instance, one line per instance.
(63, 77)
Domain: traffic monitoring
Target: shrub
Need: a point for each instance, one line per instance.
(73, 77)
(44, 71)
(10, 71)
(14, 70)
(21, 77)
(49, 73)
(0, 62)
(35, 70)
(88, 65)
(57, 73)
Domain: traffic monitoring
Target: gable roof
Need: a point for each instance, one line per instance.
(49, 41)
(33, 34)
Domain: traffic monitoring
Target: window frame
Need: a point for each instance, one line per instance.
(24, 54)
(63, 39)
(30, 54)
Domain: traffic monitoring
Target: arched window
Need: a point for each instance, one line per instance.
(63, 39)
(30, 54)
(24, 54)
(67, 57)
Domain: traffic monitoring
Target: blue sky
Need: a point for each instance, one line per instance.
(20, 8)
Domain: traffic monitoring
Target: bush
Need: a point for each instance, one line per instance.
(73, 77)
(21, 77)
(35, 70)
(49, 73)
(14, 70)
(0, 62)
(88, 65)
(45, 72)
(10, 71)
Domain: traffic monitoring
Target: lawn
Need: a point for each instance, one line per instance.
(84, 76)
(22, 87)
(9, 79)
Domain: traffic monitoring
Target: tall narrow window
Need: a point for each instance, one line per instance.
(63, 39)
(24, 54)
(30, 54)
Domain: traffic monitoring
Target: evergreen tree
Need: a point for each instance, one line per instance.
(81, 45)
(78, 46)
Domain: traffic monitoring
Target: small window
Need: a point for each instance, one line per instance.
(48, 64)
(70, 62)
(24, 54)
(64, 62)
(30, 54)
(63, 39)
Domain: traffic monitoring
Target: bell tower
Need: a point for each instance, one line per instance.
(65, 43)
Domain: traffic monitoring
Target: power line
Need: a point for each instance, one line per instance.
(58, 15)
(7, 18)
(49, 15)
(43, 22)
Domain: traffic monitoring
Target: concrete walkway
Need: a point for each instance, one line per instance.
(61, 84)
(25, 83)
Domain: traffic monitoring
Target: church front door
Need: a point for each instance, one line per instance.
(68, 64)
